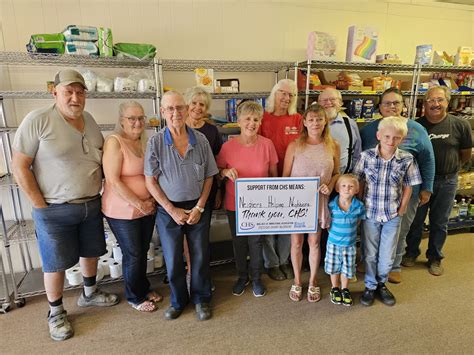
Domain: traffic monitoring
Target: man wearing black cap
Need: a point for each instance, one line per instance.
(57, 153)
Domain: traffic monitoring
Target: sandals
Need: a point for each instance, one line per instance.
(296, 293)
(154, 296)
(314, 294)
(145, 306)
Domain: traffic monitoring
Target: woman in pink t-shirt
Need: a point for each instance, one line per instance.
(248, 155)
(127, 205)
(314, 153)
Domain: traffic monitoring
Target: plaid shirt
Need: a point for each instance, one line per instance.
(384, 180)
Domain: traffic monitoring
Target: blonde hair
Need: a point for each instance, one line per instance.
(124, 106)
(326, 136)
(200, 92)
(395, 122)
(249, 107)
(347, 177)
(270, 104)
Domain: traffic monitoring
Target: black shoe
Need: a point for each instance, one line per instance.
(385, 295)
(258, 289)
(203, 311)
(172, 313)
(346, 297)
(336, 296)
(275, 274)
(239, 286)
(287, 269)
(367, 298)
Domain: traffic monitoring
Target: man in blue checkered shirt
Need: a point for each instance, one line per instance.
(387, 175)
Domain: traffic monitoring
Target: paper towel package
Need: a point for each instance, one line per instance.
(321, 46)
(361, 44)
(424, 54)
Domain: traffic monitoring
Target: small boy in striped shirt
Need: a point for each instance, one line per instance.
(346, 211)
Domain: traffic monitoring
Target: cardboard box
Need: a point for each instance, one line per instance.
(226, 86)
(321, 46)
(361, 44)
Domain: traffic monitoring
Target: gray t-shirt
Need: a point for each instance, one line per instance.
(448, 137)
(181, 179)
(67, 163)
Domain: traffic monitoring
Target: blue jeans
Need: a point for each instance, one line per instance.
(440, 205)
(276, 250)
(380, 246)
(197, 235)
(134, 237)
(407, 220)
(68, 231)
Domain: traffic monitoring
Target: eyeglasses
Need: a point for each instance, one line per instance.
(85, 144)
(390, 103)
(171, 109)
(438, 100)
(133, 119)
(330, 99)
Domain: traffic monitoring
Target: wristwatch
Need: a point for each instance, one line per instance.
(200, 209)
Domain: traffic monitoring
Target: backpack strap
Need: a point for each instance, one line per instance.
(350, 149)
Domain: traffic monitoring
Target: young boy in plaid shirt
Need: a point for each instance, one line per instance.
(346, 211)
(387, 175)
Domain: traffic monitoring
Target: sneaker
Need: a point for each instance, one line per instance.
(385, 295)
(98, 298)
(59, 326)
(239, 286)
(435, 267)
(203, 311)
(408, 261)
(367, 298)
(346, 297)
(395, 277)
(258, 289)
(275, 274)
(336, 296)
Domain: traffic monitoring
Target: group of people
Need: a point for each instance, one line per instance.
(173, 181)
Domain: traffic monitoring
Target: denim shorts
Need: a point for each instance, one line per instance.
(68, 231)
(340, 260)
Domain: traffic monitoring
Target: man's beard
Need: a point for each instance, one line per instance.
(331, 113)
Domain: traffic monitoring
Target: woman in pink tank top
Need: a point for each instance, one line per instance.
(314, 153)
(127, 204)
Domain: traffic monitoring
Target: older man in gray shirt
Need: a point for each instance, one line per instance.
(179, 166)
(57, 163)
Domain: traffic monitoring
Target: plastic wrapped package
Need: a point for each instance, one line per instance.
(90, 78)
(104, 84)
(46, 43)
(81, 48)
(105, 42)
(125, 83)
(80, 33)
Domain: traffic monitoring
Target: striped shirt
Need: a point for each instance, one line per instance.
(384, 180)
(343, 230)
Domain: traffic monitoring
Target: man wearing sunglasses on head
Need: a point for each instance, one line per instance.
(452, 145)
(57, 155)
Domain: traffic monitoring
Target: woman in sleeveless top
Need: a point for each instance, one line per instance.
(314, 153)
(127, 205)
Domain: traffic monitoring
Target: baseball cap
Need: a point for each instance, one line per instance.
(69, 76)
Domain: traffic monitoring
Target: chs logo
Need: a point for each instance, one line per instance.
(247, 226)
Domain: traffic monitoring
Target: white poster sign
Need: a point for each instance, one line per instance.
(276, 205)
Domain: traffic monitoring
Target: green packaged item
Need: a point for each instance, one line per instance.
(138, 51)
(46, 43)
(105, 42)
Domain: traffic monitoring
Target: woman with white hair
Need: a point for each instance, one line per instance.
(281, 124)
(127, 205)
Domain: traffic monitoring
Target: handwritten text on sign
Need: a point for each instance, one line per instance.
(276, 205)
